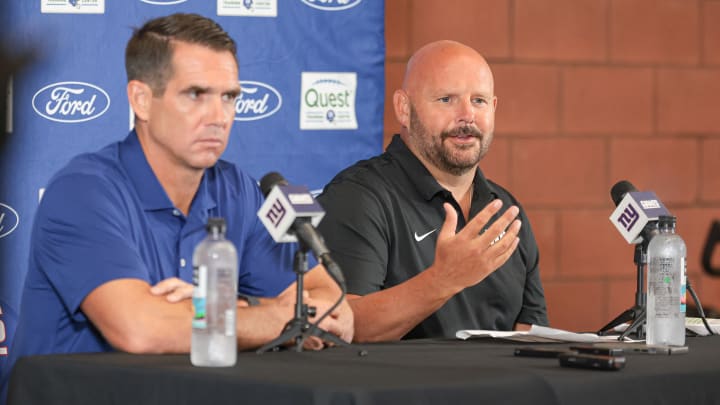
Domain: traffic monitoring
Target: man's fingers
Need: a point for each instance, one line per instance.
(166, 286)
(476, 224)
(450, 223)
(173, 289)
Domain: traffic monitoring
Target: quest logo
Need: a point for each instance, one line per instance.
(9, 220)
(163, 2)
(332, 5)
(71, 102)
(257, 100)
(328, 100)
(73, 6)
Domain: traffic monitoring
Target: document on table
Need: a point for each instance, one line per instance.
(538, 334)
(696, 325)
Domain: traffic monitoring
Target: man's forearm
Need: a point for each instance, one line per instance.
(389, 314)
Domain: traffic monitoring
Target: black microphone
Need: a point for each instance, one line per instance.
(618, 191)
(301, 226)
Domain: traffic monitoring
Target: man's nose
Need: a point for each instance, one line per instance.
(466, 112)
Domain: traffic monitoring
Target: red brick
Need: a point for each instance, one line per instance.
(591, 247)
(711, 32)
(559, 172)
(394, 72)
(563, 30)
(496, 164)
(528, 99)
(481, 24)
(578, 306)
(707, 289)
(622, 296)
(545, 228)
(693, 224)
(397, 23)
(655, 31)
(710, 171)
(607, 101)
(668, 166)
(688, 101)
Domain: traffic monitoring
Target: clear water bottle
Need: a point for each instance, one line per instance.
(667, 272)
(214, 299)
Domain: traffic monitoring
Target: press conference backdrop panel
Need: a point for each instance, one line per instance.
(312, 78)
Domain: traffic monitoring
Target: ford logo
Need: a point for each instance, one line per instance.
(71, 102)
(9, 220)
(332, 5)
(257, 100)
(163, 2)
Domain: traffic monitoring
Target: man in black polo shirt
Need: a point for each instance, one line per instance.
(428, 245)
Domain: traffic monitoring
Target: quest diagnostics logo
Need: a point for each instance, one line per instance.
(332, 5)
(256, 101)
(71, 102)
(328, 100)
(73, 6)
(9, 220)
(163, 2)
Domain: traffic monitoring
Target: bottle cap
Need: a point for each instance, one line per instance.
(667, 220)
(216, 223)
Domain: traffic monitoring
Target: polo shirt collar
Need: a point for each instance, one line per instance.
(425, 183)
(149, 190)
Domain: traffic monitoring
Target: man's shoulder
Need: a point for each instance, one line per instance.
(103, 163)
(369, 172)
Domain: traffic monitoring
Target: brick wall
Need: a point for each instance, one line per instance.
(590, 92)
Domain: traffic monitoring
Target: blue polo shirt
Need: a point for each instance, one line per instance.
(105, 216)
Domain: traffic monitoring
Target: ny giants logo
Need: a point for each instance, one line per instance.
(71, 102)
(9, 220)
(257, 100)
(276, 213)
(628, 218)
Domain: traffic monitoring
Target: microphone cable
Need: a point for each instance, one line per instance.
(701, 312)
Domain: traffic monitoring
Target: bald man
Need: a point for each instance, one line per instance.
(428, 245)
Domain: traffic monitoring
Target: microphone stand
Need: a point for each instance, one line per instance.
(636, 313)
(299, 328)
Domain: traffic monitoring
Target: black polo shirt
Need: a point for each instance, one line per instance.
(382, 219)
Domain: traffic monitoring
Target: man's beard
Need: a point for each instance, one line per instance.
(448, 158)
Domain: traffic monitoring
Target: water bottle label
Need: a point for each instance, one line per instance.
(683, 286)
(199, 297)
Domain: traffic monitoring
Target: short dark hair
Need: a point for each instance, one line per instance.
(148, 56)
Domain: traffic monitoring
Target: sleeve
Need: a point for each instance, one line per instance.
(534, 310)
(355, 229)
(81, 238)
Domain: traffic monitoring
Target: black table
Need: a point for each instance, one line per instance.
(424, 372)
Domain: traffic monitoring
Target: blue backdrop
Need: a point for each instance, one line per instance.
(312, 78)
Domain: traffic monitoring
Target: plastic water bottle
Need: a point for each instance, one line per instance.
(667, 272)
(214, 299)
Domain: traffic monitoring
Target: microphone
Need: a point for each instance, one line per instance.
(636, 213)
(286, 208)
(290, 214)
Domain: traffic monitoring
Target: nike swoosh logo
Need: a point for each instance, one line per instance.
(418, 238)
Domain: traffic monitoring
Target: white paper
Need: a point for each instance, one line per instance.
(538, 334)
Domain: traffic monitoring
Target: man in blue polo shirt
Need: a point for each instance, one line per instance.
(111, 249)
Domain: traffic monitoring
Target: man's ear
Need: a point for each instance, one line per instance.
(401, 104)
(139, 95)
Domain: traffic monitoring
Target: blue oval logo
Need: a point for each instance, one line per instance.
(9, 220)
(71, 102)
(163, 2)
(332, 5)
(256, 101)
